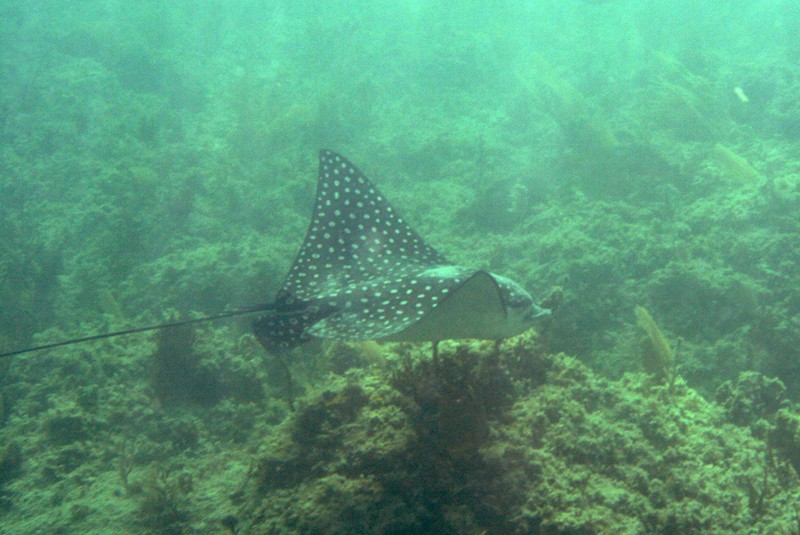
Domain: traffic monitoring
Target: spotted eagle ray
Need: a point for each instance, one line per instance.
(362, 273)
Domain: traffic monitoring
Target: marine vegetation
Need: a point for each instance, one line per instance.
(10, 467)
(735, 167)
(178, 375)
(658, 359)
(513, 440)
(161, 504)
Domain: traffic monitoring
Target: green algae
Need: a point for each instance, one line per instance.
(568, 451)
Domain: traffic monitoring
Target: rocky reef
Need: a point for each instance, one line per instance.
(513, 440)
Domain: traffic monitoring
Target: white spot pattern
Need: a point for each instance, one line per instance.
(347, 249)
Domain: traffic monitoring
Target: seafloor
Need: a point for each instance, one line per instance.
(145, 177)
(515, 439)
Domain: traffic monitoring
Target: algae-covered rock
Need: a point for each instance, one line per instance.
(625, 457)
(751, 400)
(786, 435)
(11, 460)
(561, 451)
(333, 466)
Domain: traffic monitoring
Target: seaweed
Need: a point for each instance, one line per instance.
(10, 468)
(64, 429)
(752, 400)
(736, 167)
(178, 376)
(161, 504)
(658, 359)
(5, 408)
(230, 522)
(785, 436)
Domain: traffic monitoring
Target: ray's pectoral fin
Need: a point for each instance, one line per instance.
(287, 325)
(473, 309)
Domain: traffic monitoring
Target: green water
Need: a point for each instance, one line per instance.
(158, 162)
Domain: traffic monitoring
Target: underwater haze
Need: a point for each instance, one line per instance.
(634, 165)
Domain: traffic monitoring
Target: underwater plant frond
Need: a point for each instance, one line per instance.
(657, 356)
